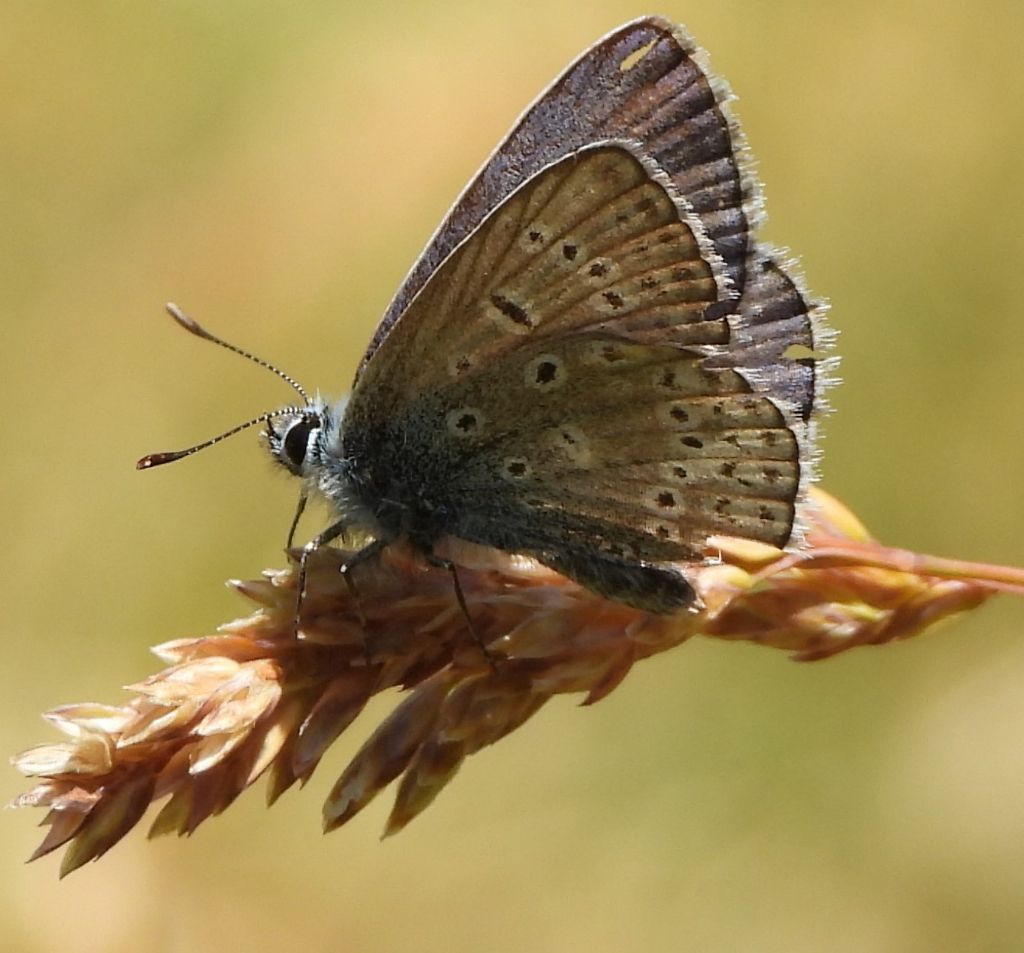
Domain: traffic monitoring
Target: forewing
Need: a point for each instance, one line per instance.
(596, 242)
(643, 83)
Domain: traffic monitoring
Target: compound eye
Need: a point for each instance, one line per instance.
(296, 441)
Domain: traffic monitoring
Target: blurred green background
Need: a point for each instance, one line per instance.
(275, 169)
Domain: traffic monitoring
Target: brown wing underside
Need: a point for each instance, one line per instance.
(594, 243)
(652, 449)
(549, 391)
(603, 458)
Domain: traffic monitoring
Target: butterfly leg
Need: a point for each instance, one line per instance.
(331, 533)
(295, 519)
(367, 552)
(460, 597)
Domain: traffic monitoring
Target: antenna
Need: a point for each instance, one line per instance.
(169, 456)
(193, 327)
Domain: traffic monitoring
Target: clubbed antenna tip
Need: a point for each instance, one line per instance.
(189, 324)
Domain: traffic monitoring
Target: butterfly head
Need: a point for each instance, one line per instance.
(296, 437)
(305, 440)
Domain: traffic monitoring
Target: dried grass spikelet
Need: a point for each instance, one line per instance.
(254, 698)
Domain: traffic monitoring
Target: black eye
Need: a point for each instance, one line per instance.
(296, 441)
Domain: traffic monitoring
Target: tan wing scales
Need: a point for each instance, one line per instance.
(645, 442)
(594, 242)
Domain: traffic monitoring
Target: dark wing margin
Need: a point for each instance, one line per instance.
(781, 345)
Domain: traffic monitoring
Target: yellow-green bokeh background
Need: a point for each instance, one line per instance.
(275, 168)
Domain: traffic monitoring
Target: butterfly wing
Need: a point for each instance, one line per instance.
(643, 83)
(779, 343)
(599, 241)
(550, 390)
(603, 457)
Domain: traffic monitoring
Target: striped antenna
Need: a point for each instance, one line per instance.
(192, 326)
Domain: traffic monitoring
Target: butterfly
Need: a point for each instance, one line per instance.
(593, 363)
